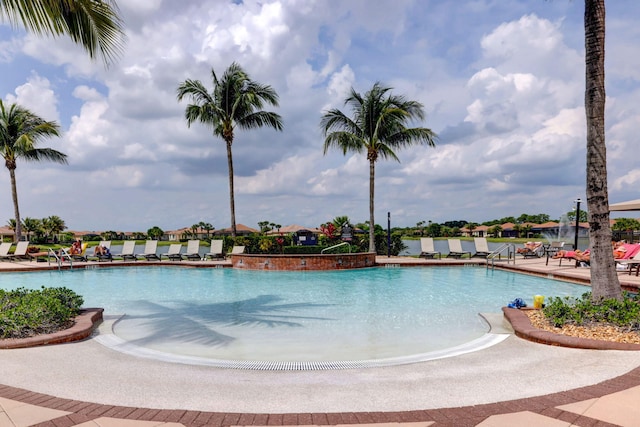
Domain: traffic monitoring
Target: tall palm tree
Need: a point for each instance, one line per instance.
(53, 225)
(93, 24)
(378, 127)
(235, 101)
(20, 133)
(604, 278)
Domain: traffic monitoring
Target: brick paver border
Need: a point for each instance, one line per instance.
(458, 417)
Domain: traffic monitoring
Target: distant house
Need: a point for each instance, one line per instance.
(187, 233)
(6, 233)
(479, 231)
(241, 230)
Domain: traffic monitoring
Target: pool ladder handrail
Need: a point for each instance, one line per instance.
(511, 254)
(53, 254)
(335, 246)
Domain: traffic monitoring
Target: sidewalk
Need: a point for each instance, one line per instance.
(55, 386)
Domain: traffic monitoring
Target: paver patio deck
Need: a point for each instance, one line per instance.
(70, 385)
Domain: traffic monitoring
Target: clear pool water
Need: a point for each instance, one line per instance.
(362, 314)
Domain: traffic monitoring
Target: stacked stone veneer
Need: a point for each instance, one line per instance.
(303, 262)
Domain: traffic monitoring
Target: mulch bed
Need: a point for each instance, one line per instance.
(594, 331)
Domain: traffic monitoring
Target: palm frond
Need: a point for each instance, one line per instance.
(95, 25)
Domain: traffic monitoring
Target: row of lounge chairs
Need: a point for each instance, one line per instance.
(427, 249)
(150, 252)
(629, 260)
(174, 253)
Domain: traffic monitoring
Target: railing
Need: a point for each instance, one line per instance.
(510, 250)
(335, 246)
(59, 257)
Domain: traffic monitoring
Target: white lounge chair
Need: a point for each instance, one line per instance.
(150, 251)
(215, 252)
(4, 249)
(193, 250)
(427, 249)
(21, 251)
(455, 249)
(237, 250)
(128, 248)
(482, 247)
(174, 252)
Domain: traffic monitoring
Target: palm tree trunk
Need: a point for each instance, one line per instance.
(604, 279)
(372, 174)
(16, 211)
(232, 202)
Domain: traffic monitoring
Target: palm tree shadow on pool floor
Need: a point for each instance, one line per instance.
(194, 323)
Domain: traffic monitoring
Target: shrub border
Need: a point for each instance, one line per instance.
(83, 326)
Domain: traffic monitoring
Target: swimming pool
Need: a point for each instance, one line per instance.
(365, 314)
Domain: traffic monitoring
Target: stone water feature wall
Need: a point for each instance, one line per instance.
(303, 262)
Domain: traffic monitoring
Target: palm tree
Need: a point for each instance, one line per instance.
(155, 233)
(53, 225)
(95, 25)
(207, 226)
(604, 279)
(31, 225)
(20, 133)
(378, 127)
(236, 101)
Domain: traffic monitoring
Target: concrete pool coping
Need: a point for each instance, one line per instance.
(510, 378)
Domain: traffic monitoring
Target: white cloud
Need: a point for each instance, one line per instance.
(38, 96)
(503, 90)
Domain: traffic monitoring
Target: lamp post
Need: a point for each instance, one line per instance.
(575, 242)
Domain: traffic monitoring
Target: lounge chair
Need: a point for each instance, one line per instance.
(150, 251)
(577, 258)
(4, 249)
(193, 250)
(215, 252)
(482, 247)
(174, 252)
(455, 249)
(82, 255)
(20, 252)
(108, 256)
(127, 251)
(427, 249)
(553, 249)
(631, 263)
(531, 250)
(237, 250)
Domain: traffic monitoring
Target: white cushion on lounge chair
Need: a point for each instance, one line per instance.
(174, 252)
(216, 249)
(237, 250)
(128, 248)
(193, 250)
(482, 247)
(4, 249)
(150, 250)
(427, 248)
(455, 248)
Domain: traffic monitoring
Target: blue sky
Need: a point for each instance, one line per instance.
(502, 83)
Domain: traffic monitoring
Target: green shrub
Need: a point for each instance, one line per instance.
(26, 313)
(581, 311)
